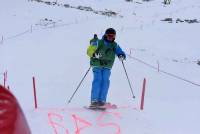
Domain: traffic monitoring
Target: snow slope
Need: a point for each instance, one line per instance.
(50, 42)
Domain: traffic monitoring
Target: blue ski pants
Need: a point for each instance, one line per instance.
(100, 84)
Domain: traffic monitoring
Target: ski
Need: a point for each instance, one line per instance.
(104, 107)
(94, 108)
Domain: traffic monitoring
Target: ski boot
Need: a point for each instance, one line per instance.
(93, 105)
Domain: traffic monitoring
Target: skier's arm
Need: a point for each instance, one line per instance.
(119, 51)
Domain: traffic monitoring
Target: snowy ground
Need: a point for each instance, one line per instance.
(50, 42)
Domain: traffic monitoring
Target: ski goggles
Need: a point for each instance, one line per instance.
(110, 36)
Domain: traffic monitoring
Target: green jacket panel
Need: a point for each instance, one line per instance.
(108, 55)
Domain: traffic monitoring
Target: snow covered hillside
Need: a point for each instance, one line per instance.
(48, 40)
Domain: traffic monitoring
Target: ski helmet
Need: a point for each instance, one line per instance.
(95, 36)
(110, 31)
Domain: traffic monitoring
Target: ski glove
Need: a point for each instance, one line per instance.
(121, 57)
(97, 55)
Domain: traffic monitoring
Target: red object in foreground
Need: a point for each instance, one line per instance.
(143, 94)
(12, 119)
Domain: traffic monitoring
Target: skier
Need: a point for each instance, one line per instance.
(102, 56)
(95, 38)
(167, 2)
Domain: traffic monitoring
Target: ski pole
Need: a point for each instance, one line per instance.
(128, 79)
(79, 85)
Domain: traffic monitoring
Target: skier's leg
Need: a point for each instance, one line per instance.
(96, 84)
(105, 84)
